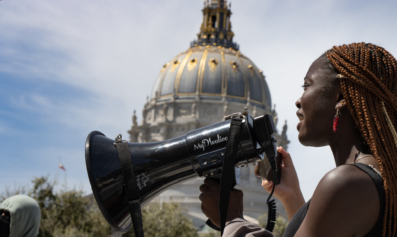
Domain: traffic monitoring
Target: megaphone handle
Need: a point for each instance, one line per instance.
(217, 178)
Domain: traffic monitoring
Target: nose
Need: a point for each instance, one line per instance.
(298, 103)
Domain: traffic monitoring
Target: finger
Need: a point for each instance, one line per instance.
(210, 182)
(286, 157)
(204, 188)
(267, 185)
(201, 196)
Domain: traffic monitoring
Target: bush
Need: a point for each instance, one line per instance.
(165, 221)
(70, 213)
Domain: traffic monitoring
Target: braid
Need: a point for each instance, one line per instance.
(369, 88)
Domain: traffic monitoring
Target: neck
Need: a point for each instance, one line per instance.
(344, 151)
(347, 142)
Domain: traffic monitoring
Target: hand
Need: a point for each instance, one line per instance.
(288, 190)
(209, 198)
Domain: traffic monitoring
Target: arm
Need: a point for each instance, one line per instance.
(345, 203)
(240, 227)
(288, 191)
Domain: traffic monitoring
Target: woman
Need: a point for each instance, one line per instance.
(349, 103)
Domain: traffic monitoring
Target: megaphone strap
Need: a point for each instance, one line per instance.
(212, 225)
(130, 185)
(228, 172)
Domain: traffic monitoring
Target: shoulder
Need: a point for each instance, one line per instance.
(345, 202)
(345, 180)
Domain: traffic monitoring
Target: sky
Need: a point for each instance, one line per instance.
(70, 67)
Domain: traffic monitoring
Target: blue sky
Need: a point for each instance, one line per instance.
(70, 67)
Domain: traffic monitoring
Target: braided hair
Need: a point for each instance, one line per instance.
(369, 86)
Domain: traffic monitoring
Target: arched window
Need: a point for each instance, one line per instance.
(213, 19)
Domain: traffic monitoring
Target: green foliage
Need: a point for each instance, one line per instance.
(66, 212)
(281, 225)
(70, 213)
(166, 220)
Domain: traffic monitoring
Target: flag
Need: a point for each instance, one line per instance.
(61, 166)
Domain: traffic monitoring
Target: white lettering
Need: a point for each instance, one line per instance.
(209, 142)
(142, 179)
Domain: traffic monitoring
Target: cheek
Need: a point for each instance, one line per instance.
(318, 116)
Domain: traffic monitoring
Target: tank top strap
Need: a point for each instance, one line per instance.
(377, 179)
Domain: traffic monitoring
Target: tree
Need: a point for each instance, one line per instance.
(70, 213)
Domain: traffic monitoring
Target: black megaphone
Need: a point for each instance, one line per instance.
(160, 165)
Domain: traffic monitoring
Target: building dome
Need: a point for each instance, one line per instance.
(212, 72)
(198, 88)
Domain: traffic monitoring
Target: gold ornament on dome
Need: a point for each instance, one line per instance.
(234, 66)
(251, 69)
(213, 63)
(221, 36)
(192, 64)
(175, 65)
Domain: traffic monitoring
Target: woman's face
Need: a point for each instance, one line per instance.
(316, 107)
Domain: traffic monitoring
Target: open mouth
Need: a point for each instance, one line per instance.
(300, 116)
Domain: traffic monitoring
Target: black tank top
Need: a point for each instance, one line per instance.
(299, 216)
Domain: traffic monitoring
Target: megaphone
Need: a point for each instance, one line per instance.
(160, 165)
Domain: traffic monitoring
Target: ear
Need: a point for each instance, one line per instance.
(341, 104)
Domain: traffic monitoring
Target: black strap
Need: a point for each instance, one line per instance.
(131, 187)
(377, 179)
(228, 171)
(212, 225)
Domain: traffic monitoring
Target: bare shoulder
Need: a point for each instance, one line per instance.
(345, 203)
(345, 180)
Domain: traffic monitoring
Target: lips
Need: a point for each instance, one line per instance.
(300, 116)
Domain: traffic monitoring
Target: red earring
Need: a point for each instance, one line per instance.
(336, 120)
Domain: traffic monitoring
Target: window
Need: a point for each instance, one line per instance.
(213, 19)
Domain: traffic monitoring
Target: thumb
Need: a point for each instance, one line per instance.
(286, 157)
